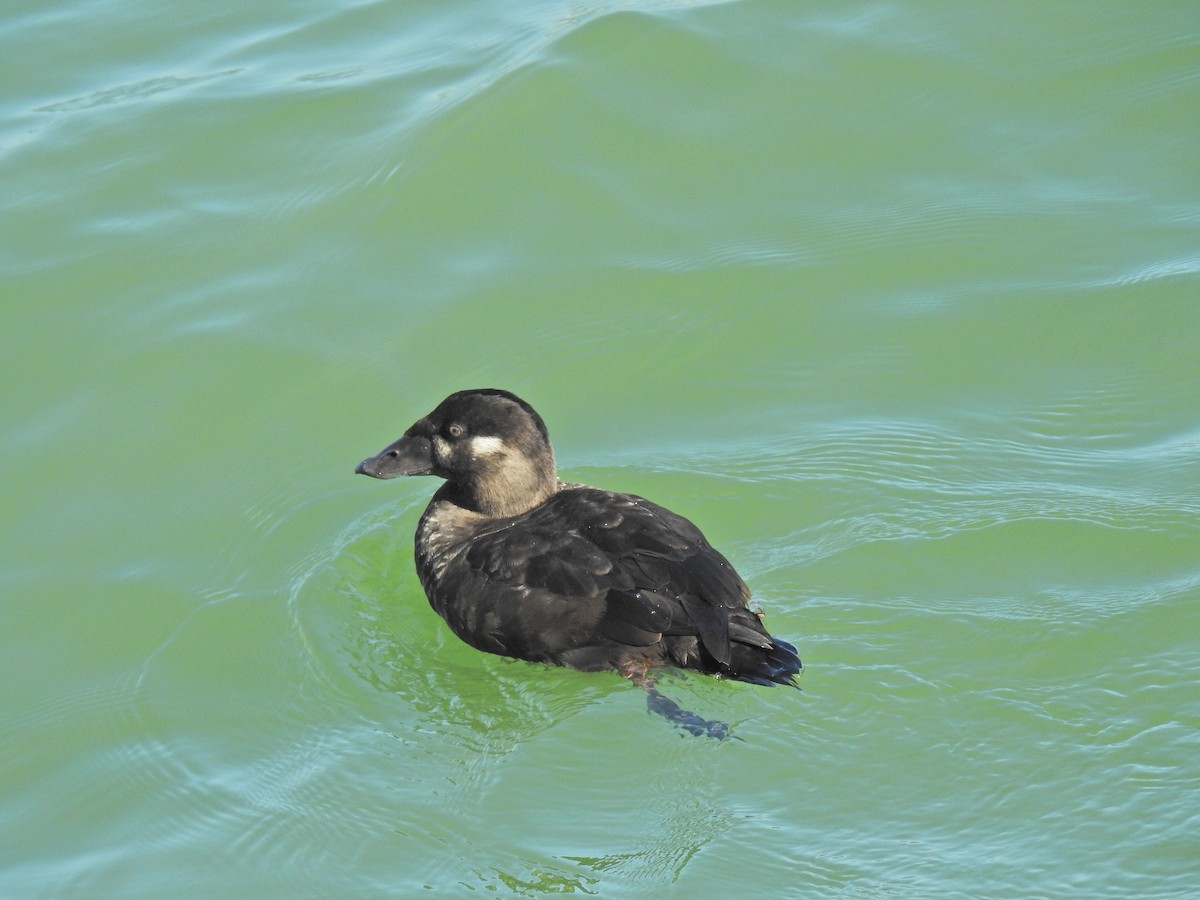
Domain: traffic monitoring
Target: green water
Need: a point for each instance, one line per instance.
(900, 302)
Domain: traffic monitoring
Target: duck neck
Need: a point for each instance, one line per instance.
(514, 487)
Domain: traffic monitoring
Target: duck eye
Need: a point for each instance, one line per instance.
(456, 431)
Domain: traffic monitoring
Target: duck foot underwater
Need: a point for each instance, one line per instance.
(684, 718)
(524, 565)
(662, 705)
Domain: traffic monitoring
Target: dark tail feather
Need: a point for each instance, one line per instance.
(779, 664)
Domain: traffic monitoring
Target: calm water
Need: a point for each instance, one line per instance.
(899, 301)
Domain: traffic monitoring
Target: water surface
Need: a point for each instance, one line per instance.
(900, 302)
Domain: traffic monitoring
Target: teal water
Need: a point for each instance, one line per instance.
(899, 301)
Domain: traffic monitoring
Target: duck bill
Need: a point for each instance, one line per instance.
(411, 455)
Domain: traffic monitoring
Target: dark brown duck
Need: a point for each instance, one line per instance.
(524, 565)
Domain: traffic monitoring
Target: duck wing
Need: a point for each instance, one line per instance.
(594, 579)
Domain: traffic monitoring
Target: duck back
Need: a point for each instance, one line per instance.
(594, 580)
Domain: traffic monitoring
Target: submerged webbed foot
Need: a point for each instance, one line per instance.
(685, 719)
(672, 711)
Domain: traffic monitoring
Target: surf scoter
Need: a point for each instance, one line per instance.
(521, 564)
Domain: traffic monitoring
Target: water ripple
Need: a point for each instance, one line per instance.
(141, 89)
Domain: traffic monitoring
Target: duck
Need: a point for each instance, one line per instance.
(522, 564)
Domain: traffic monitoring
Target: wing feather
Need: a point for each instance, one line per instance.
(592, 562)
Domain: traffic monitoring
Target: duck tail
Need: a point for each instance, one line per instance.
(775, 664)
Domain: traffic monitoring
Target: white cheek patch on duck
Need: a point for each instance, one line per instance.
(487, 445)
(441, 449)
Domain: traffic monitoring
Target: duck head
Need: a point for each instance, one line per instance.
(490, 446)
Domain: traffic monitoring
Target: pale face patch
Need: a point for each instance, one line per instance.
(441, 449)
(486, 445)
